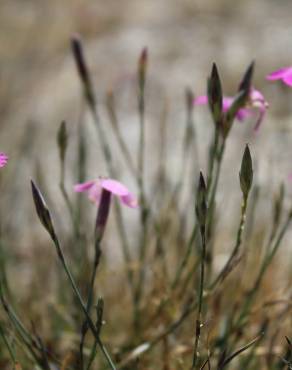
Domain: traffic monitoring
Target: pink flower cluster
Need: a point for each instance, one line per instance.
(256, 100)
(3, 159)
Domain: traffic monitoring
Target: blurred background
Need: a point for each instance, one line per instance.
(39, 88)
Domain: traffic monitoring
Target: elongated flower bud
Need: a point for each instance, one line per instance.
(245, 83)
(246, 172)
(83, 71)
(201, 203)
(42, 210)
(214, 91)
(142, 68)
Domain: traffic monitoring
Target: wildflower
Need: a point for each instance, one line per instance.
(284, 74)
(94, 189)
(256, 100)
(3, 159)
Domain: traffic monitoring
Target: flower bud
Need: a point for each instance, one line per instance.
(42, 210)
(201, 203)
(246, 172)
(214, 92)
(83, 70)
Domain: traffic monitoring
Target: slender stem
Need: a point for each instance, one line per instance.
(110, 102)
(89, 300)
(185, 258)
(228, 265)
(211, 194)
(266, 262)
(81, 303)
(8, 346)
(212, 160)
(143, 209)
(200, 301)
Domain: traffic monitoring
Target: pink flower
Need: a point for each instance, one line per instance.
(94, 190)
(256, 100)
(3, 159)
(284, 74)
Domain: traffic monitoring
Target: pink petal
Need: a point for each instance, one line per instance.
(201, 100)
(3, 159)
(115, 187)
(279, 73)
(226, 103)
(243, 114)
(94, 192)
(85, 186)
(256, 95)
(129, 200)
(290, 177)
(288, 79)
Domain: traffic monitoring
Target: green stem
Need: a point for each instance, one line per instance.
(81, 303)
(266, 263)
(200, 302)
(8, 346)
(228, 265)
(89, 300)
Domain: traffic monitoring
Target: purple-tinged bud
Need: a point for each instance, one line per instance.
(142, 68)
(246, 173)
(214, 92)
(201, 202)
(78, 54)
(245, 83)
(42, 210)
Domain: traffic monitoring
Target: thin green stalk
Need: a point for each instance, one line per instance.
(8, 346)
(89, 301)
(26, 338)
(110, 103)
(200, 301)
(228, 265)
(185, 258)
(144, 213)
(264, 266)
(81, 303)
(212, 159)
(92, 356)
(211, 194)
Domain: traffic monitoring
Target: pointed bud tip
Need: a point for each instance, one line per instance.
(214, 69)
(42, 209)
(202, 183)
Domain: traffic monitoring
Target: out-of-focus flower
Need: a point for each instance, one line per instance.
(3, 159)
(94, 190)
(255, 100)
(284, 74)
